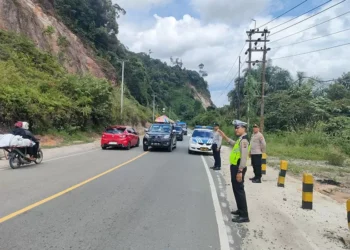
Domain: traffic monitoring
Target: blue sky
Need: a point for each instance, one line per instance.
(213, 32)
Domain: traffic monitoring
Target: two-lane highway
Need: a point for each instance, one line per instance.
(113, 199)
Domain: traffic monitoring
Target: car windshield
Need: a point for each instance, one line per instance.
(178, 128)
(202, 133)
(160, 128)
(115, 130)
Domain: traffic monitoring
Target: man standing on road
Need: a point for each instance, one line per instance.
(217, 140)
(238, 161)
(257, 148)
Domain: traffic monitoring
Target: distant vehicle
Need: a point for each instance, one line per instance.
(160, 136)
(201, 141)
(204, 127)
(179, 133)
(119, 136)
(183, 125)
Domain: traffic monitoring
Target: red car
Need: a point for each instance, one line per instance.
(120, 136)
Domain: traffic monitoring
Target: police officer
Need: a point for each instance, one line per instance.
(217, 140)
(238, 167)
(256, 149)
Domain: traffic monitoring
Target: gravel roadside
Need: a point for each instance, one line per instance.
(277, 220)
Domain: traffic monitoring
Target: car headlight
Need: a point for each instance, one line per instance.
(166, 136)
(146, 136)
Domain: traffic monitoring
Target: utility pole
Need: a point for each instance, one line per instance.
(263, 82)
(239, 93)
(154, 97)
(264, 50)
(122, 92)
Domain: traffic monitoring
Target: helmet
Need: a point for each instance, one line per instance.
(25, 125)
(18, 124)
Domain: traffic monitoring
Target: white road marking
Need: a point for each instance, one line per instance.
(222, 194)
(224, 243)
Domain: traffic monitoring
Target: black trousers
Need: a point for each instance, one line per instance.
(256, 163)
(33, 151)
(238, 191)
(217, 156)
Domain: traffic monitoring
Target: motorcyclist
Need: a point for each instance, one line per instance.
(22, 129)
(18, 129)
(33, 151)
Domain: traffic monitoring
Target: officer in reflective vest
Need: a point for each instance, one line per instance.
(238, 167)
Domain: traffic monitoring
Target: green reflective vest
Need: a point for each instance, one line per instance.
(235, 155)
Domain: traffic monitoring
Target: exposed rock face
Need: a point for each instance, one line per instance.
(35, 19)
(206, 101)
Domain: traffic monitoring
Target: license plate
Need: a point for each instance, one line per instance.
(204, 149)
(113, 143)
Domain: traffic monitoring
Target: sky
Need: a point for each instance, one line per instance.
(213, 32)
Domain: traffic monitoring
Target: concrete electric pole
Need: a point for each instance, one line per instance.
(264, 49)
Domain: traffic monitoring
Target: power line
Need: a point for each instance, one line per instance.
(232, 80)
(315, 38)
(311, 27)
(236, 60)
(308, 18)
(316, 80)
(283, 14)
(300, 15)
(341, 45)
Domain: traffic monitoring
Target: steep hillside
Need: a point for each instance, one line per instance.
(82, 35)
(36, 88)
(35, 20)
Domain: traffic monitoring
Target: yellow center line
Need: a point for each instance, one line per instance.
(36, 204)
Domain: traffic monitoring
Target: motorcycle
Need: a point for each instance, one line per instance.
(18, 157)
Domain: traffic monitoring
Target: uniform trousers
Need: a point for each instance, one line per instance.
(238, 191)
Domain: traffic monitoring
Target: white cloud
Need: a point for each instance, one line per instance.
(140, 4)
(231, 11)
(217, 44)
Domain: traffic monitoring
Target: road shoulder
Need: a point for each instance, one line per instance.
(277, 220)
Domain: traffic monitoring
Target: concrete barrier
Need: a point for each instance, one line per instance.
(308, 188)
(263, 163)
(282, 174)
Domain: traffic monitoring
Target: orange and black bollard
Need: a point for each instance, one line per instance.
(282, 174)
(263, 163)
(348, 209)
(308, 188)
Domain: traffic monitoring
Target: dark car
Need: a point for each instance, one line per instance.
(179, 133)
(160, 136)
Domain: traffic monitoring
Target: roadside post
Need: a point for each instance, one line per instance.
(282, 174)
(308, 186)
(263, 163)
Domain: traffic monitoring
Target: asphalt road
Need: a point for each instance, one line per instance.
(156, 200)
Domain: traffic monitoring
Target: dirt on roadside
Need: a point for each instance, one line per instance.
(277, 220)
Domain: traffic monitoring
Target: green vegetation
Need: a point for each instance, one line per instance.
(95, 22)
(36, 88)
(304, 118)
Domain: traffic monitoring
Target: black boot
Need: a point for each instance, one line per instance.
(256, 180)
(241, 219)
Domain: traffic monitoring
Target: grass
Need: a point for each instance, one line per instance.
(55, 139)
(313, 146)
(338, 174)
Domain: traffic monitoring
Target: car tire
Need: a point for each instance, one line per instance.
(190, 152)
(104, 147)
(138, 143)
(145, 148)
(129, 146)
